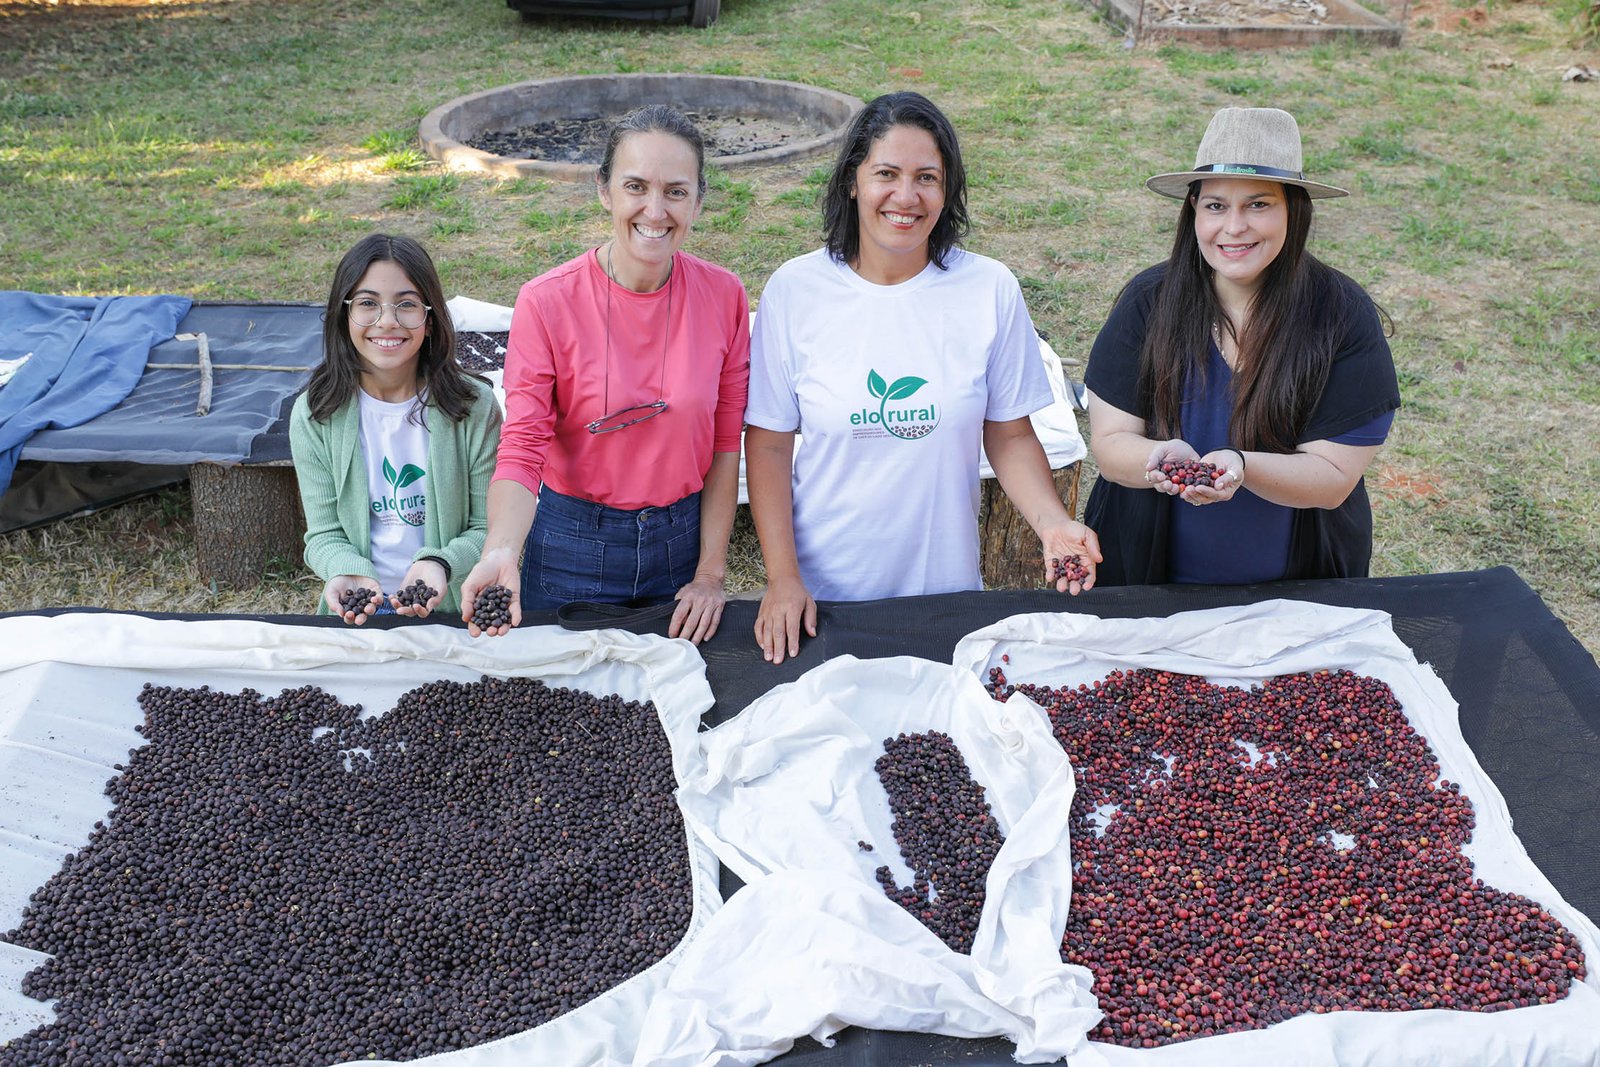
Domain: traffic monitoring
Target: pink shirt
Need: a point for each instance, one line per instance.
(556, 374)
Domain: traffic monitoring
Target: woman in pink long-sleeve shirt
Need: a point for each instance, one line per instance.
(625, 382)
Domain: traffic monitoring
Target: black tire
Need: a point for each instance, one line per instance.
(703, 13)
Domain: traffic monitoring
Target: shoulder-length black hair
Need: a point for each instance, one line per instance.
(440, 380)
(1286, 349)
(842, 227)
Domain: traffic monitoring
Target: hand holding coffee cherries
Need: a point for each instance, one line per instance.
(1176, 469)
(496, 571)
(1071, 550)
(352, 597)
(419, 591)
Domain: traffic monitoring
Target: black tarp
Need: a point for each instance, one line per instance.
(1529, 697)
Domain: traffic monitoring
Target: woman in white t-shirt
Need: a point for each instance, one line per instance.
(895, 354)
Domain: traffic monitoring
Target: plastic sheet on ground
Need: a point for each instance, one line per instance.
(68, 707)
(1244, 646)
(785, 792)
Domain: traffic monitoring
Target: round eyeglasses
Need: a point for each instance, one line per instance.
(366, 311)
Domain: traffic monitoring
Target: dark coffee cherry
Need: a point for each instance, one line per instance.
(946, 834)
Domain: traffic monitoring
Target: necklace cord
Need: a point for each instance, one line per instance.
(661, 380)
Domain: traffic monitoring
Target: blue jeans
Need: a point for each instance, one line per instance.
(580, 550)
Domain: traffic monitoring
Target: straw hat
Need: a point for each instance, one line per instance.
(1246, 142)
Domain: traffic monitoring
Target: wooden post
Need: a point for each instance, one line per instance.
(244, 518)
(1008, 549)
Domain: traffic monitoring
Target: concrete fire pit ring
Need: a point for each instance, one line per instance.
(446, 128)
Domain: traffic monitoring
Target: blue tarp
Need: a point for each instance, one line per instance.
(88, 353)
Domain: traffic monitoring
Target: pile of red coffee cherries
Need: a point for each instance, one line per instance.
(1071, 568)
(1192, 472)
(1245, 856)
(945, 831)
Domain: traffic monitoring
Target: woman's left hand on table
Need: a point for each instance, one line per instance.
(699, 610)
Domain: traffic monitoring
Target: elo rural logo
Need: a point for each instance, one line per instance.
(908, 422)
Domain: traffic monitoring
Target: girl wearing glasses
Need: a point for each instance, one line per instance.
(896, 352)
(625, 384)
(393, 442)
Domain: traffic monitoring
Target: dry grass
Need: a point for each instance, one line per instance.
(239, 147)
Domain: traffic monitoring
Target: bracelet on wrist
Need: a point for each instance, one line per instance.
(440, 560)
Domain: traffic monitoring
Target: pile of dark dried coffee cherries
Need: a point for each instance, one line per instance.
(1245, 856)
(492, 607)
(416, 594)
(282, 882)
(945, 831)
(356, 600)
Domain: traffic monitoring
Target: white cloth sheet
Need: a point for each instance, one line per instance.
(68, 707)
(785, 792)
(1243, 646)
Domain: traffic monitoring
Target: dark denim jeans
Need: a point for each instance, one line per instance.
(580, 550)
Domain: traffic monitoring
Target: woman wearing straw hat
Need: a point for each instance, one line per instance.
(1244, 351)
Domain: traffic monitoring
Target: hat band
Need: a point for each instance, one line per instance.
(1250, 168)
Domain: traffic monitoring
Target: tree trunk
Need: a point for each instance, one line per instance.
(1008, 550)
(244, 518)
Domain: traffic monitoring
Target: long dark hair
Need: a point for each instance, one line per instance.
(839, 219)
(1285, 352)
(654, 118)
(440, 380)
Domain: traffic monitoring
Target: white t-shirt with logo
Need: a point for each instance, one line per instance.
(395, 448)
(889, 385)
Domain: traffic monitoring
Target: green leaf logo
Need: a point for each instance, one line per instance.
(408, 474)
(388, 471)
(875, 384)
(904, 387)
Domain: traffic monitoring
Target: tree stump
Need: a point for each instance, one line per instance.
(1008, 550)
(244, 518)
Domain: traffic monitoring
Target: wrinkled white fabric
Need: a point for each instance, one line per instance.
(1243, 646)
(68, 706)
(789, 786)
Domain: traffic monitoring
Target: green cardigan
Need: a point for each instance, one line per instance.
(333, 489)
